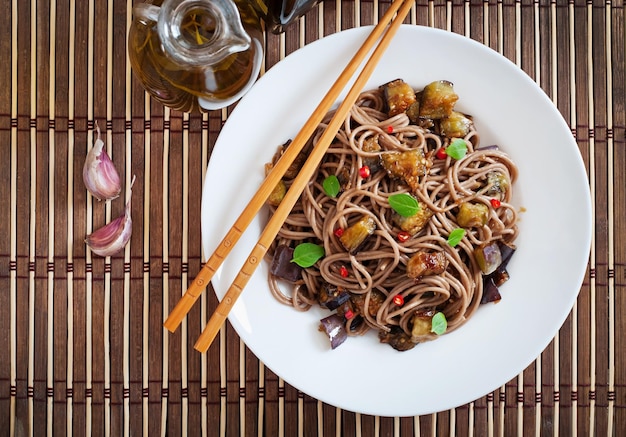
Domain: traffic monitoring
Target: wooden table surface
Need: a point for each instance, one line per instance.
(83, 347)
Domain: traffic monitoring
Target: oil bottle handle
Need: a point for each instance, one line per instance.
(146, 13)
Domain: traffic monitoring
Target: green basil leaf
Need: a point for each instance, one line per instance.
(457, 149)
(307, 254)
(456, 236)
(404, 204)
(439, 324)
(331, 185)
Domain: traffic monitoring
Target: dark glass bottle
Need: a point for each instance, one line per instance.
(278, 14)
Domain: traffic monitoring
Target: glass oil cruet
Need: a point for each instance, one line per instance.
(196, 55)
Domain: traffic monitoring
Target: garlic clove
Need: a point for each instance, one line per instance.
(112, 237)
(99, 174)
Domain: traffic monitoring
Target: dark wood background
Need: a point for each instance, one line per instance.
(82, 348)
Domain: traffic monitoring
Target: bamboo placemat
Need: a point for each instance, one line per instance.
(83, 349)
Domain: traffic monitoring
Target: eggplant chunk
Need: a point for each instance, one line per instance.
(413, 112)
(399, 96)
(397, 339)
(426, 264)
(408, 166)
(507, 251)
(422, 322)
(416, 222)
(296, 165)
(278, 194)
(331, 296)
(499, 276)
(456, 125)
(472, 215)
(488, 257)
(376, 300)
(497, 182)
(335, 329)
(490, 291)
(438, 100)
(355, 235)
(282, 266)
(371, 145)
(279, 191)
(343, 176)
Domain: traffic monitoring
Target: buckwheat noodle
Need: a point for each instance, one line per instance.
(377, 271)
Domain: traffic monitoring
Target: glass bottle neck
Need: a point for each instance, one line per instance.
(200, 32)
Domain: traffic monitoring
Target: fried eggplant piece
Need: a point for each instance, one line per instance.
(376, 300)
(426, 264)
(408, 166)
(298, 162)
(422, 329)
(456, 125)
(343, 176)
(497, 182)
(279, 191)
(414, 223)
(413, 111)
(488, 257)
(438, 100)
(399, 96)
(499, 276)
(490, 291)
(397, 339)
(422, 322)
(331, 296)
(371, 145)
(472, 215)
(507, 250)
(334, 327)
(282, 266)
(355, 235)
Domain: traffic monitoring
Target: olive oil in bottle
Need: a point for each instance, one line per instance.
(196, 55)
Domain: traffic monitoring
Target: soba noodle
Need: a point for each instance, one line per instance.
(377, 271)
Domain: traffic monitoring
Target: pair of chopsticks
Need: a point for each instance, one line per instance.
(399, 7)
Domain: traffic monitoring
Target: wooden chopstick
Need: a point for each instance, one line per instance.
(258, 200)
(302, 179)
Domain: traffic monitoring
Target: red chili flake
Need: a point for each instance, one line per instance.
(338, 232)
(348, 314)
(364, 172)
(390, 129)
(441, 153)
(495, 203)
(398, 300)
(403, 236)
(343, 271)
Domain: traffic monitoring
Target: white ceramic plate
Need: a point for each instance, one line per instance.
(502, 339)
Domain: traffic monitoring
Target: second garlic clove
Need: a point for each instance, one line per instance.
(111, 238)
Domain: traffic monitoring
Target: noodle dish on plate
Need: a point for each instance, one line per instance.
(440, 244)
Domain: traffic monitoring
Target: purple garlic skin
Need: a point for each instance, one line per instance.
(99, 174)
(111, 238)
